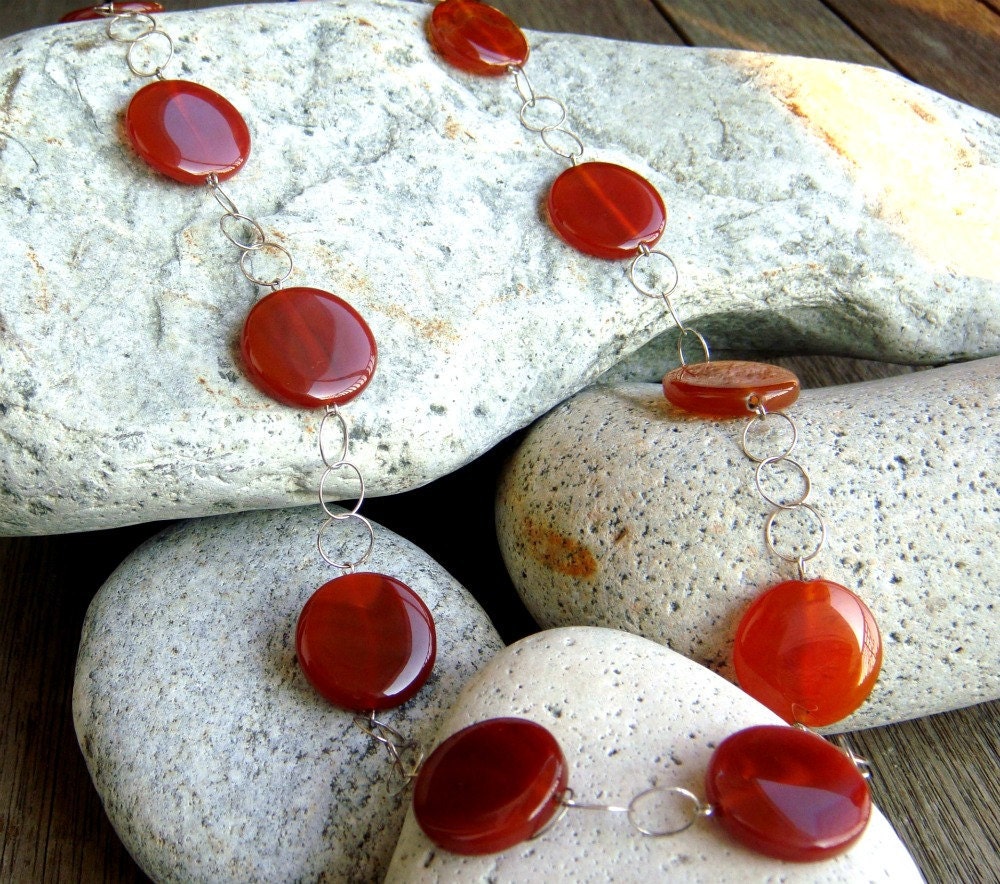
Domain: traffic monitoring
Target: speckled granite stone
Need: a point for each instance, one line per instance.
(618, 510)
(814, 205)
(215, 759)
(628, 714)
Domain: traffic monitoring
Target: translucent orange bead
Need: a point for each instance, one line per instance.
(476, 37)
(787, 793)
(808, 650)
(730, 388)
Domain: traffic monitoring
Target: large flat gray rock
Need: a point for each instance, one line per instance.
(815, 206)
(214, 757)
(628, 714)
(619, 510)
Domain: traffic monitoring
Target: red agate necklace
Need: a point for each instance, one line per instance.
(809, 649)
(365, 641)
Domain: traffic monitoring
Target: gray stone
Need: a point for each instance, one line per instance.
(824, 207)
(619, 510)
(215, 759)
(628, 714)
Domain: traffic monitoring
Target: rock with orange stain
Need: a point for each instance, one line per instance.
(812, 206)
(903, 472)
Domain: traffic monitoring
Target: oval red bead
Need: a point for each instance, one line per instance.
(366, 641)
(306, 347)
(476, 37)
(808, 650)
(787, 793)
(606, 210)
(490, 786)
(187, 131)
(727, 387)
(92, 12)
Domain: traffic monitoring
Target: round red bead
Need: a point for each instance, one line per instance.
(187, 131)
(304, 346)
(92, 12)
(808, 650)
(787, 793)
(490, 786)
(366, 641)
(606, 210)
(730, 388)
(476, 37)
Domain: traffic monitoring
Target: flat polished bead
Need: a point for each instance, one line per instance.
(606, 210)
(306, 347)
(187, 131)
(808, 650)
(476, 37)
(490, 786)
(366, 641)
(787, 793)
(727, 387)
(91, 12)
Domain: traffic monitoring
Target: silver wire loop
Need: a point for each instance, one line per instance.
(638, 810)
(695, 809)
(648, 254)
(259, 237)
(340, 517)
(770, 461)
(332, 411)
(396, 745)
(127, 19)
(349, 566)
(522, 83)
(799, 560)
(221, 197)
(684, 332)
(154, 70)
(539, 101)
(270, 282)
(573, 153)
(760, 417)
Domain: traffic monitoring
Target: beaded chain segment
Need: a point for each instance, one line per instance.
(305, 348)
(807, 649)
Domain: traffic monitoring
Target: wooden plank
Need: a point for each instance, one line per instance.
(616, 19)
(803, 27)
(948, 45)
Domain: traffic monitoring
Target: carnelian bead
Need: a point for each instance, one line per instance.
(366, 641)
(187, 131)
(606, 210)
(476, 37)
(730, 388)
(304, 346)
(787, 793)
(92, 12)
(490, 786)
(808, 650)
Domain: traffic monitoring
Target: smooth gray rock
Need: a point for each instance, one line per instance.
(619, 510)
(215, 759)
(628, 714)
(862, 225)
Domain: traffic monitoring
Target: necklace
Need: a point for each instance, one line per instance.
(608, 211)
(365, 641)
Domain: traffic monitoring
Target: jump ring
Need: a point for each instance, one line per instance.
(341, 516)
(754, 420)
(346, 566)
(768, 461)
(794, 559)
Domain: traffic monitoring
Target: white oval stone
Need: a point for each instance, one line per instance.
(628, 714)
(215, 759)
(619, 510)
(814, 206)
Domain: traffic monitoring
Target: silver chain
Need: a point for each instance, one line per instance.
(405, 755)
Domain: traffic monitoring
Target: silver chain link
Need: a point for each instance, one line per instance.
(405, 755)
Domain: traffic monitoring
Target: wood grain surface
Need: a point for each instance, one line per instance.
(937, 779)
